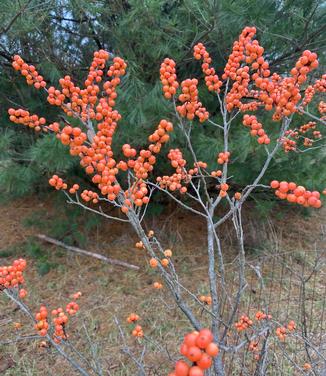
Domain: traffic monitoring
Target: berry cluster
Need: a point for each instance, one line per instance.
(223, 189)
(138, 331)
(287, 142)
(74, 137)
(57, 183)
(296, 194)
(206, 299)
(199, 348)
(72, 308)
(244, 323)
(157, 285)
(262, 316)
(42, 324)
(173, 182)
(153, 263)
(21, 116)
(191, 107)
(217, 173)
(133, 317)
(282, 331)
(74, 189)
(29, 72)
(211, 78)
(322, 107)
(306, 63)
(12, 275)
(306, 127)
(223, 157)
(89, 196)
(168, 78)
(237, 54)
(320, 85)
(256, 129)
(60, 319)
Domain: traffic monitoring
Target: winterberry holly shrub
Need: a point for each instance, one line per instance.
(126, 179)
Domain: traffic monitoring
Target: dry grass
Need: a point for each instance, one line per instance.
(110, 291)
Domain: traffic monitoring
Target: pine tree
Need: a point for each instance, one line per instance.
(61, 36)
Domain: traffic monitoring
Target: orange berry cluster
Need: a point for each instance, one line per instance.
(60, 319)
(153, 263)
(322, 108)
(287, 92)
(217, 173)
(22, 293)
(42, 324)
(74, 189)
(168, 78)
(21, 116)
(308, 95)
(80, 101)
(29, 72)
(282, 331)
(244, 323)
(57, 183)
(157, 285)
(89, 196)
(165, 262)
(189, 97)
(223, 157)
(296, 194)
(262, 316)
(206, 299)
(237, 54)
(275, 91)
(239, 90)
(223, 189)
(306, 127)
(74, 137)
(137, 195)
(12, 275)
(306, 63)
(138, 331)
(199, 348)
(132, 318)
(289, 144)
(320, 85)
(160, 136)
(72, 308)
(211, 78)
(173, 182)
(256, 129)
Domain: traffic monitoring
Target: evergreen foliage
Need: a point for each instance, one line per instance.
(60, 36)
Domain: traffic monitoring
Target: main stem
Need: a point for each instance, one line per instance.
(218, 365)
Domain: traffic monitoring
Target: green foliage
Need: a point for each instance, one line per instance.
(36, 251)
(60, 38)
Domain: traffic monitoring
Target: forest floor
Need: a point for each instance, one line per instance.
(110, 292)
